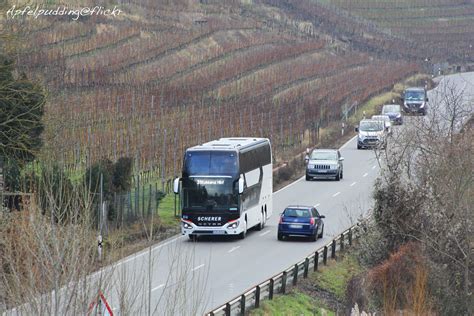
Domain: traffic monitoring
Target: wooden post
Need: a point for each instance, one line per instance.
(306, 267)
(257, 296)
(333, 249)
(242, 305)
(350, 236)
(295, 274)
(227, 309)
(325, 255)
(283, 283)
(316, 261)
(270, 289)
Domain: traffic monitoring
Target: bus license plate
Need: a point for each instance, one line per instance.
(218, 232)
(296, 226)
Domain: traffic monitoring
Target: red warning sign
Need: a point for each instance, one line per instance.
(100, 306)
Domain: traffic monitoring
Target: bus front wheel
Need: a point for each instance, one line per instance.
(244, 233)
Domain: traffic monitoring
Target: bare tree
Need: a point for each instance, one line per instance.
(426, 194)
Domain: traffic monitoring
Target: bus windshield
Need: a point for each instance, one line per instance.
(217, 163)
(210, 193)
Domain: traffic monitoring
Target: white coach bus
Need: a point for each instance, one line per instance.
(226, 187)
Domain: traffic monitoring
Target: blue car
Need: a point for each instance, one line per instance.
(302, 221)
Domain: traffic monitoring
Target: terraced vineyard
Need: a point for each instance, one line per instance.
(445, 26)
(164, 76)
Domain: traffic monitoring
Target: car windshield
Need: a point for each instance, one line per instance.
(395, 108)
(381, 118)
(297, 212)
(371, 126)
(414, 95)
(323, 155)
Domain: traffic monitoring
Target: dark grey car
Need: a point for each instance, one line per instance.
(325, 164)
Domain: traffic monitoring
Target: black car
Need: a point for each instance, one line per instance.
(415, 100)
(302, 221)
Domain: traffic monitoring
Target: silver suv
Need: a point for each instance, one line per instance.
(324, 164)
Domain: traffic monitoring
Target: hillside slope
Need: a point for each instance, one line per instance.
(165, 75)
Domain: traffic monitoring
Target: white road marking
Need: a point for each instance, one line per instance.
(353, 183)
(336, 194)
(374, 167)
(263, 234)
(317, 205)
(158, 287)
(365, 174)
(198, 267)
(233, 249)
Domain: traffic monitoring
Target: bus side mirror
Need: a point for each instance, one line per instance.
(426, 99)
(241, 185)
(176, 186)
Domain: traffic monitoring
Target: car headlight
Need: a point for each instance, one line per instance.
(334, 167)
(187, 225)
(422, 105)
(233, 225)
(311, 166)
(399, 115)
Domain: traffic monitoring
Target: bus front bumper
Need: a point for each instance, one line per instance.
(232, 228)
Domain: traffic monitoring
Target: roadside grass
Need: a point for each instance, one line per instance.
(334, 277)
(322, 293)
(166, 211)
(295, 303)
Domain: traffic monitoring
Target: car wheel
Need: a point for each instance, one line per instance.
(193, 237)
(359, 146)
(308, 178)
(280, 236)
(243, 234)
(314, 237)
(338, 176)
(322, 233)
(342, 174)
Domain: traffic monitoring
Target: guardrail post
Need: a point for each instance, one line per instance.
(242, 305)
(306, 267)
(283, 282)
(350, 236)
(295, 274)
(333, 249)
(270, 289)
(257, 296)
(316, 261)
(325, 255)
(227, 309)
(342, 241)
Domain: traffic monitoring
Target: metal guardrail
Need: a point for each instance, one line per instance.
(279, 283)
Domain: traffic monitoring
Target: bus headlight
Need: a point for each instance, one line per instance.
(233, 225)
(187, 225)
